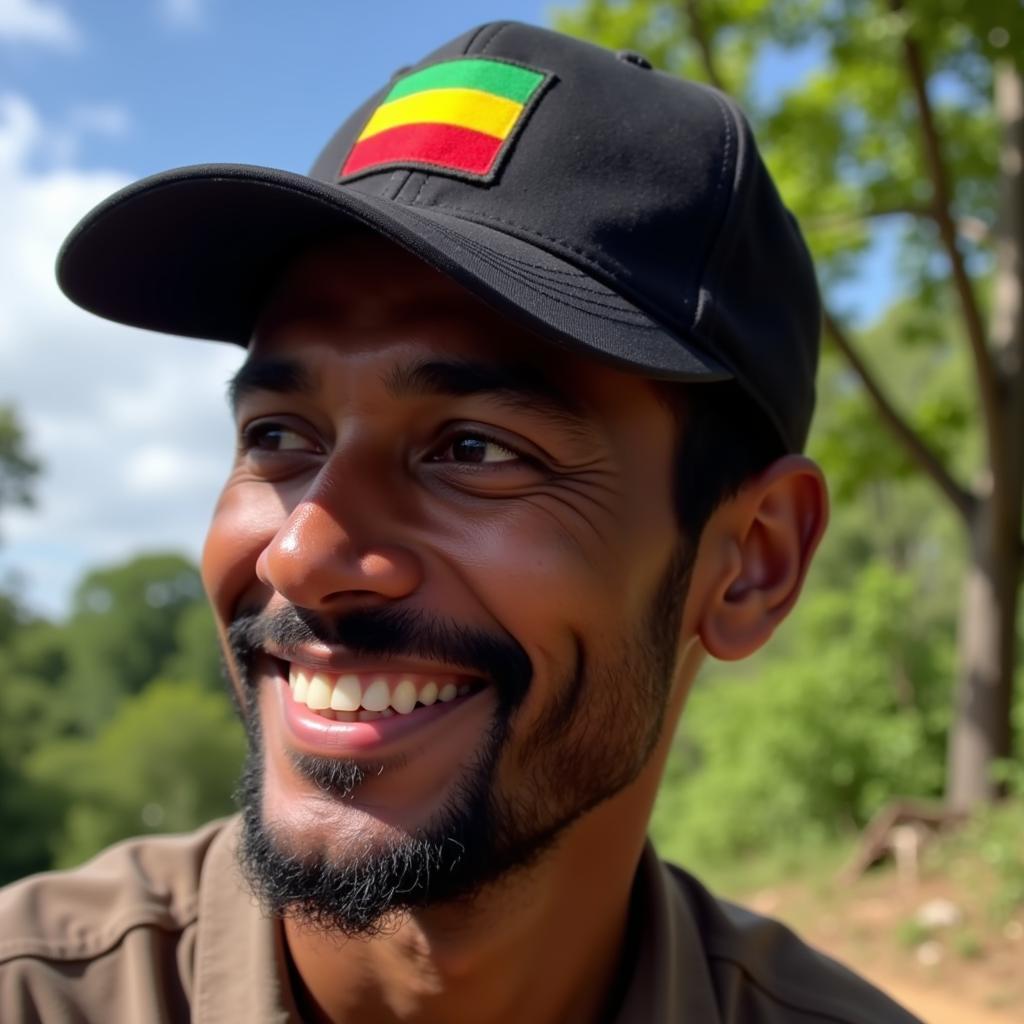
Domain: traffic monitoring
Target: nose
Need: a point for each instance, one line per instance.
(314, 562)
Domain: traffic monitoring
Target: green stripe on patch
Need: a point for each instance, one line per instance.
(508, 80)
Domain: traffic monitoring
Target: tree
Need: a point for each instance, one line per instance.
(123, 631)
(911, 122)
(17, 468)
(167, 761)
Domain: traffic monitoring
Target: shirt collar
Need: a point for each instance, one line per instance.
(241, 970)
(671, 980)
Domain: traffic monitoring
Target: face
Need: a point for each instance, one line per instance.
(449, 583)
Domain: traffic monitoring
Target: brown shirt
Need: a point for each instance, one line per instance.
(162, 929)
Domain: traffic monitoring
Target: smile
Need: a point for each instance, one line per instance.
(359, 711)
(367, 696)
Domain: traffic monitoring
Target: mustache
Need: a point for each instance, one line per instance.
(388, 633)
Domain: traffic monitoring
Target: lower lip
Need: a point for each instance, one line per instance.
(315, 734)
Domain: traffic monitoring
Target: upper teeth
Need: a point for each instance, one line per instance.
(378, 692)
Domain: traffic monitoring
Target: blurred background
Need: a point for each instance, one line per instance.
(861, 777)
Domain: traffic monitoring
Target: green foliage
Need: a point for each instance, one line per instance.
(843, 142)
(851, 701)
(124, 629)
(167, 761)
(988, 854)
(925, 362)
(114, 722)
(17, 468)
(196, 653)
(911, 933)
(811, 747)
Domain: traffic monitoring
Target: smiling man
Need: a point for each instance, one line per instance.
(530, 365)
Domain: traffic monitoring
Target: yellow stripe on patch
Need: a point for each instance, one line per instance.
(466, 108)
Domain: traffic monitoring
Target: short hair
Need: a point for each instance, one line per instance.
(723, 439)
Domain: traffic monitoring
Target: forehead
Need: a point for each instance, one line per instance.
(356, 289)
(361, 296)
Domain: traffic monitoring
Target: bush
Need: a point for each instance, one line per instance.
(812, 747)
(168, 761)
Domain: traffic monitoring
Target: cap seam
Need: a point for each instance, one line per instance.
(702, 300)
(707, 286)
(498, 27)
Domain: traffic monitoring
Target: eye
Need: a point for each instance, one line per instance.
(268, 436)
(475, 449)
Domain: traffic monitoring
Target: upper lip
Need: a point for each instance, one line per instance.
(337, 660)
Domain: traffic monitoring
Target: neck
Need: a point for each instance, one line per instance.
(545, 946)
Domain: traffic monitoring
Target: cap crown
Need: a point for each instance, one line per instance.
(647, 182)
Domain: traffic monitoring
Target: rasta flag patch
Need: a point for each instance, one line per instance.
(459, 117)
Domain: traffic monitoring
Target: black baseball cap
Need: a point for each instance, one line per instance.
(611, 207)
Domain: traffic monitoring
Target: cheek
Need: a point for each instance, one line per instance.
(553, 591)
(245, 520)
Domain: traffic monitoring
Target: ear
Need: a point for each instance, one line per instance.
(761, 543)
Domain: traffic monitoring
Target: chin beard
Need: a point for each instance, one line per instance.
(469, 845)
(594, 740)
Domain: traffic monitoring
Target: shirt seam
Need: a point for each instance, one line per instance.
(788, 1002)
(96, 945)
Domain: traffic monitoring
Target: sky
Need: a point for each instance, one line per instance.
(131, 427)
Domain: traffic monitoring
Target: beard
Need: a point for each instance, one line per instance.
(592, 741)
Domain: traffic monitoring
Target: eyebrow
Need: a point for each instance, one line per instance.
(279, 375)
(522, 388)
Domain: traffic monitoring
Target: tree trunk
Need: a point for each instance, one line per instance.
(982, 728)
(981, 732)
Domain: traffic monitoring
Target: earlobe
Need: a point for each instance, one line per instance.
(766, 538)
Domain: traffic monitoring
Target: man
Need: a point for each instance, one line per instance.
(531, 359)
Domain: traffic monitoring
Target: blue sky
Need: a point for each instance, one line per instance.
(213, 80)
(132, 427)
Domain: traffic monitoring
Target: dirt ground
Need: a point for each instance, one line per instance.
(966, 971)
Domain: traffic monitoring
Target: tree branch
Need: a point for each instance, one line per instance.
(961, 499)
(942, 203)
(838, 220)
(699, 31)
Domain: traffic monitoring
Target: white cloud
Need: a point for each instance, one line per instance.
(131, 426)
(186, 14)
(36, 21)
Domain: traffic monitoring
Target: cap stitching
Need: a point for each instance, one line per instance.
(410, 178)
(478, 33)
(611, 313)
(638, 318)
(613, 269)
(419, 191)
(552, 274)
(504, 259)
(398, 180)
(498, 29)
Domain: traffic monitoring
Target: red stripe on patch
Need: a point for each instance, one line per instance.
(443, 145)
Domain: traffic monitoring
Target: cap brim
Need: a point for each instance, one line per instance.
(194, 252)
